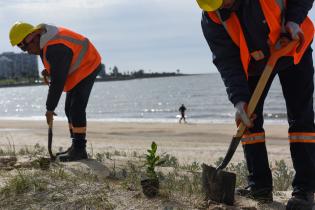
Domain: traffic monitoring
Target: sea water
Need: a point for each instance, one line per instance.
(144, 100)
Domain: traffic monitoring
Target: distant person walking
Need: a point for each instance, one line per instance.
(182, 110)
(72, 63)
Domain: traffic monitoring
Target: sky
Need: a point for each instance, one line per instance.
(154, 35)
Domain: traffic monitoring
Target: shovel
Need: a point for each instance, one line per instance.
(219, 185)
(50, 136)
(44, 163)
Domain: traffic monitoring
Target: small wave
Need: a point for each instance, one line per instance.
(157, 110)
(275, 116)
(147, 120)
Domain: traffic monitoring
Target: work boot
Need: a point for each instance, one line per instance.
(301, 201)
(77, 152)
(66, 151)
(262, 195)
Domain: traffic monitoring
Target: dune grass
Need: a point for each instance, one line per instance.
(57, 188)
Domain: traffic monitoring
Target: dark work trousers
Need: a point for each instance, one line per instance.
(77, 99)
(297, 87)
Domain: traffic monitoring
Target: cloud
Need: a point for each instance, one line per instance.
(151, 34)
(160, 35)
(40, 4)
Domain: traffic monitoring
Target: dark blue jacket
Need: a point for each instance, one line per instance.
(59, 57)
(226, 55)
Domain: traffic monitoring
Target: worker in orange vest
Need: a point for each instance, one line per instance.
(239, 34)
(72, 63)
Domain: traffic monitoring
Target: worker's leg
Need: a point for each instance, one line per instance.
(67, 112)
(78, 103)
(259, 178)
(298, 87)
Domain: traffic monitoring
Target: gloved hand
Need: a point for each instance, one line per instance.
(50, 116)
(296, 33)
(241, 115)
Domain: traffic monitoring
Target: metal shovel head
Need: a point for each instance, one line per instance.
(218, 185)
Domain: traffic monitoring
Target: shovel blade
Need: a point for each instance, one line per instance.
(218, 185)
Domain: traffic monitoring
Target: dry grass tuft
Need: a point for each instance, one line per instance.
(58, 188)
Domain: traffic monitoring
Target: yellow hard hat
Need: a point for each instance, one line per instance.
(210, 5)
(19, 31)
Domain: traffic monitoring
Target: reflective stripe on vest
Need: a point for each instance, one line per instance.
(234, 29)
(253, 138)
(85, 58)
(272, 11)
(299, 137)
(84, 46)
(274, 14)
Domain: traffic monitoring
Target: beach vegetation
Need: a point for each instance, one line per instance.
(56, 188)
(193, 167)
(120, 153)
(152, 161)
(240, 169)
(282, 176)
(150, 181)
(132, 181)
(169, 160)
(108, 155)
(100, 157)
(36, 150)
(9, 149)
(62, 187)
(135, 154)
(23, 182)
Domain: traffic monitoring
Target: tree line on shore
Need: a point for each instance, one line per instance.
(115, 74)
(112, 75)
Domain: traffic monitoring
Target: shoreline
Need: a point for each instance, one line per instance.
(144, 120)
(106, 79)
(187, 142)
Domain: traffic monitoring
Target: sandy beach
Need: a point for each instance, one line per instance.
(203, 143)
(188, 142)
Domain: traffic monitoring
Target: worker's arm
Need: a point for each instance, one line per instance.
(226, 57)
(59, 57)
(297, 10)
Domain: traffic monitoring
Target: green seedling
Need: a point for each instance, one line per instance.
(152, 160)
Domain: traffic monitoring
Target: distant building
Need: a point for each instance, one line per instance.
(18, 65)
(102, 73)
(6, 67)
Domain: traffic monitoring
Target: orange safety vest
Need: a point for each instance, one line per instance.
(273, 10)
(85, 57)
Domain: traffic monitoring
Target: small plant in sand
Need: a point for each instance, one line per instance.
(282, 176)
(150, 182)
(170, 161)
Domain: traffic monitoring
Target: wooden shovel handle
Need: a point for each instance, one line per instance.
(276, 53)
(274, 57)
